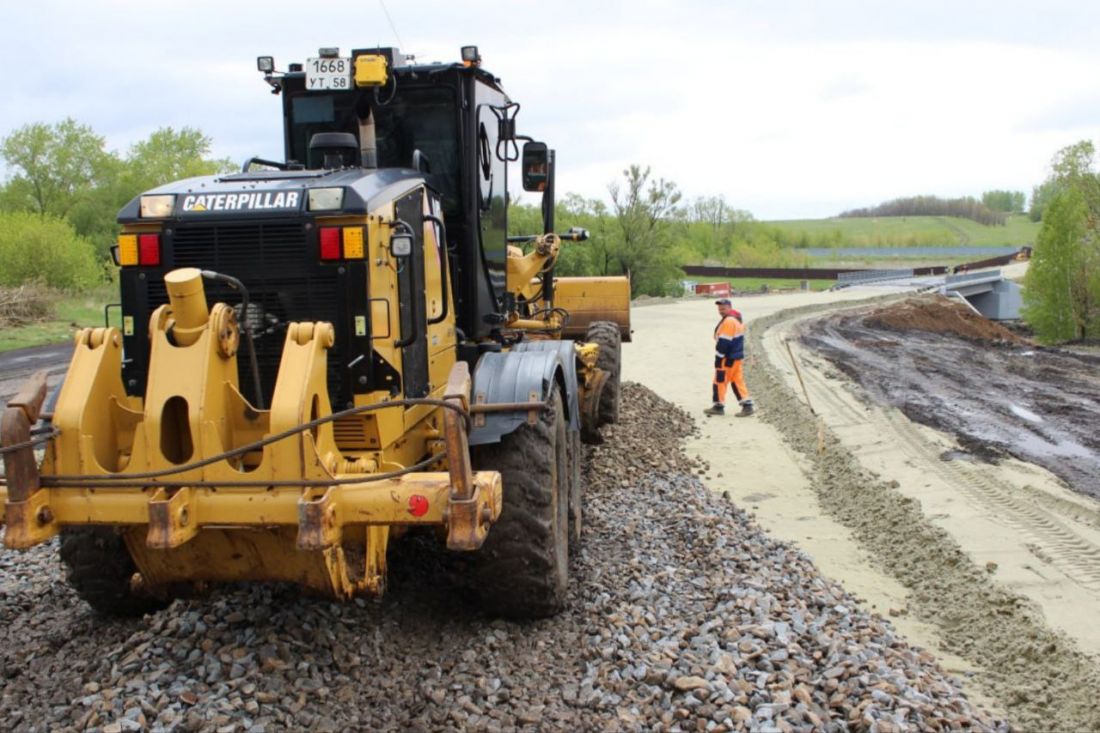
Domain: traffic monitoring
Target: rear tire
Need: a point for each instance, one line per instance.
(607, 335)
(101, 572)
(522, 570)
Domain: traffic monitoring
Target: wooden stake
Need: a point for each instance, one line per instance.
(799, 375)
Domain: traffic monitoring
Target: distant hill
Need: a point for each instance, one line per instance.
(905, 231)
(967, 207)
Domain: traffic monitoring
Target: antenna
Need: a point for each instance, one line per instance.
(390, 20)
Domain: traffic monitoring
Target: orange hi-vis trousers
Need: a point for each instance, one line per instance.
(729, 371)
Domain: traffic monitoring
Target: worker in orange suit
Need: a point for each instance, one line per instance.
(729, 356)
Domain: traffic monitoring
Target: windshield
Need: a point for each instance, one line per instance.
(415, 119)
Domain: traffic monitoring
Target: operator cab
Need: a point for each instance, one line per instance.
(451, 123)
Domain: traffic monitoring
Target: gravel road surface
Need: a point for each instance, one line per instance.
(684, 615)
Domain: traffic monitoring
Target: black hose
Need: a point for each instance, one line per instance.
(42, 438)
(253, 362)
(255, 445)
(53, 481)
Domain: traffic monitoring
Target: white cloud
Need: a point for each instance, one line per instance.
(787, 109)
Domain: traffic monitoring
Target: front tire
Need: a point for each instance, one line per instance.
(102, 572)
(522, 570)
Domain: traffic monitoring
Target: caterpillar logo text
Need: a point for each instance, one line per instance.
(252, 201)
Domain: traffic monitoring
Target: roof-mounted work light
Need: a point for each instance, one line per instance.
(266, 64)
(470, 56)
(329, 52)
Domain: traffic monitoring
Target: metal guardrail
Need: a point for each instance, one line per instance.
(963, 277)
(846, 279)
(787, 273)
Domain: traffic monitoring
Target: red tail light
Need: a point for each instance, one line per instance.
(149, 250)
(330, 243)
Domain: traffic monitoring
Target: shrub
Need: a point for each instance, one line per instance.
(36, 248)
(25, 304)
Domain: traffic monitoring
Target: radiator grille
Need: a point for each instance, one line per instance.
(237, 247)
(275, 262)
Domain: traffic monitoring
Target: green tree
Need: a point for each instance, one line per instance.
(64, 170)
(1041, 196)
(1010, 202)
(1062, 287)
(169, 155)
(643, 247)
(41, 247)
(55, 166)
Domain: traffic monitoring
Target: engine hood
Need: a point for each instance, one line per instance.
(275, 193)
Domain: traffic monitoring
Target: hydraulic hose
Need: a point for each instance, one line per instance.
(253, 362)
(140, 480)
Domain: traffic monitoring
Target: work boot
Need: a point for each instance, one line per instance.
(746, 410)
(716, 409)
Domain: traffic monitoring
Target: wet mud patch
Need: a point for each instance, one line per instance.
(997, 393)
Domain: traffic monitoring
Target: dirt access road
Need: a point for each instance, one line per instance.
(16, 366)
(984, 564)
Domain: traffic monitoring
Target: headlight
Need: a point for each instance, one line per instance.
(401, 244)
(326, 199)
(157, 207)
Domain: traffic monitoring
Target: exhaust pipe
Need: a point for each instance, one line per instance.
(368, 142)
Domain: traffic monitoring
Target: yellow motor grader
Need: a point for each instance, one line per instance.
(321, 354)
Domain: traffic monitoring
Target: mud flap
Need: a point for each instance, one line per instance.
(519, 376)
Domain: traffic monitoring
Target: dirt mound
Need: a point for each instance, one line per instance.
(937, 314)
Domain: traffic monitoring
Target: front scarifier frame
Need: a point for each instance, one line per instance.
(174, 476)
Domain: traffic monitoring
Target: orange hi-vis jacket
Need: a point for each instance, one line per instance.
(729, 355)
(729, 338)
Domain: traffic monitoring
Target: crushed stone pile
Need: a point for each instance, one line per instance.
(683, 616)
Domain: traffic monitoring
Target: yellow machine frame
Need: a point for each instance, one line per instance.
(194, 475)
(203, 486)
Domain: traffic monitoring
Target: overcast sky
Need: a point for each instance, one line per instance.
(788, 109)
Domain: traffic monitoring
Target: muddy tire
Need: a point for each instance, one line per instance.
(522, 570)
(101, 572)
(606, 334)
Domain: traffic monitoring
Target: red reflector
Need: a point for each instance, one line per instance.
(418, 505)
(330, 243)
(149, 249)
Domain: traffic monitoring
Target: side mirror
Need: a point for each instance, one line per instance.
(401, 244)
(536, 166)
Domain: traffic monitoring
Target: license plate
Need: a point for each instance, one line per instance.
(324, 74)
